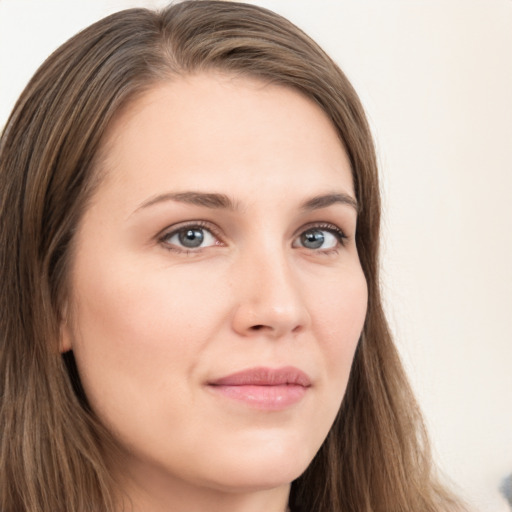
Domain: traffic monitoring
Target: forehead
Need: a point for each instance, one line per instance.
(209, 129)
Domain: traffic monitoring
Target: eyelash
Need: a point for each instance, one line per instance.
(331, 228)
(203, 225)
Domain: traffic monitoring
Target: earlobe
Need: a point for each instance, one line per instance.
(64, 338)
(65, 332)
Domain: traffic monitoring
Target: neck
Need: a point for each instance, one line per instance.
(151, 492)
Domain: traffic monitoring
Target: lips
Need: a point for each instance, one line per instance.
(264, 388)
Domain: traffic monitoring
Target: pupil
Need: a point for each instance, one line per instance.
(313, 239)
(191, 237)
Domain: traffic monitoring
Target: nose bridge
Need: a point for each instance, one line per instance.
(269, 297)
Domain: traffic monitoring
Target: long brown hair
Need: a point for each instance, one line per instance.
(53, 450)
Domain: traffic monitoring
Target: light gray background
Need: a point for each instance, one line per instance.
(436, 79)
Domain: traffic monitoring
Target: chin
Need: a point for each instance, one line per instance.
(259, 469)
(256, 479)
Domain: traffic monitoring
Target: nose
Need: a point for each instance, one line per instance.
(269, 298)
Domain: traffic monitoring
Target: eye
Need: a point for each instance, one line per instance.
(189, 237)
(320, 237)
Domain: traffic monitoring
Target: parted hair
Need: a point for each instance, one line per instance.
(54, 452)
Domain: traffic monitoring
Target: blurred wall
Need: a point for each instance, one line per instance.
(436, 80)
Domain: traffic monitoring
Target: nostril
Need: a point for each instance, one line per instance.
(257, 327)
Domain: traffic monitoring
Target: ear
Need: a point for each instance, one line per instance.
(65, 331)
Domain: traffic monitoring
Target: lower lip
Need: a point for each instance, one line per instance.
(272, 398)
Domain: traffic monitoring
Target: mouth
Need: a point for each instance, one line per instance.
(264, 388)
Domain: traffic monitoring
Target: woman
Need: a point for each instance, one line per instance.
(191, 319)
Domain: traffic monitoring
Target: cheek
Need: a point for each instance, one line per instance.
(138, 332)
(340, 312)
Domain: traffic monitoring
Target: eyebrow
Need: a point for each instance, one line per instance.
(326, 200)
(224, 202)
(208, 200)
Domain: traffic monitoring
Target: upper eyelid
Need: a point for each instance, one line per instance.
(175, 228)
(329, 226)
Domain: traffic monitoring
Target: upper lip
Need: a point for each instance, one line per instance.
(262, 376)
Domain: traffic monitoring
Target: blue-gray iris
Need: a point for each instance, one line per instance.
(192, 237)
(312, 239)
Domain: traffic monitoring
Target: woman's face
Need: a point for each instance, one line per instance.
(217, 296)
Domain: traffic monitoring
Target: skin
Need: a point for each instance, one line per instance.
(153, 323)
